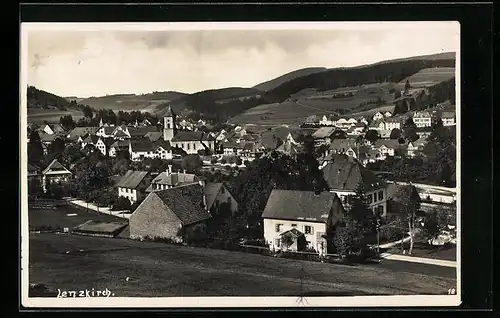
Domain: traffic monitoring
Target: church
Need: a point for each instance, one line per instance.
(189, 141)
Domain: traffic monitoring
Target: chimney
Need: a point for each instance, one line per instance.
(184, 171)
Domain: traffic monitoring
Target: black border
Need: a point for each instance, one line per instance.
(476, 85)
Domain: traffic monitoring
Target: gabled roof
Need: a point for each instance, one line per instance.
(323, 132)
(154, 135)
(389, 143)
(249, 146)
(141, 131)
(192, 136)
(132, 179)
(142, 145)
(169, 112)
(174, 179)
(162, 143)
(289, 148)
(119, 133)
(376, 123)
(293, 232)
(300, 205)
(108, 130)
(47, 137)
(342, 143)
(121, 144)
(422, 114)
(80, 131)
(32, 167)
(344, 173)
(92, 139)
(55, 167)
(211, 190)
(393, 191)
(186, 202)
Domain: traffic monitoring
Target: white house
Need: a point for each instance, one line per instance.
(448, 118)
(55, 172)
(304, 215)
(133, 185)
(378, 116)
(392, 123)
(343, 175)
(386, 147)
(168, 179)
(422, 119)
(387, 114)
(415, 146)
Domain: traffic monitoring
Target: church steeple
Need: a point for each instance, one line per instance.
(169, 128)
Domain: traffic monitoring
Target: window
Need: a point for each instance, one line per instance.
(222, 190)
(294, 225)
(381, 195)
(194, 146)
(308, 229)
(370, 199)
(278, 227)
(277, 242)
(188, 146)
(380, 210)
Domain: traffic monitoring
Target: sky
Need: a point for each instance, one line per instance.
(84, 62)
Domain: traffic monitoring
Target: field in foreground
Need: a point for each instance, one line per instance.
(157, 269)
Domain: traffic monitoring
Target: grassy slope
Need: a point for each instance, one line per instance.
(268, 85)
(157, 269)
(129, 102)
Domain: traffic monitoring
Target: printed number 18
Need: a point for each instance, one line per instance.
(451, 291)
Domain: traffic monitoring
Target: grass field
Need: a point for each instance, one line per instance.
(156, 269)
(429, 77)
(51, 115)
(294, 112)
(58, 217)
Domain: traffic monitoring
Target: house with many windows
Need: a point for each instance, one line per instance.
(305, 216)
(344, 174)
(168, 179)
(422, 119)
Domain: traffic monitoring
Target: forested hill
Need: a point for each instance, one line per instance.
(344, 77)
(41, 99)
(271, 84)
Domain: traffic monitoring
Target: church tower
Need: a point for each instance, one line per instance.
(169, 129)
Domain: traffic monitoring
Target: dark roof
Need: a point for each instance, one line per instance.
(323, 132)
(186, 202)
(300, 205)
(162, 143)
(91, 139)
(289, 148)
(121, 144)
(292, 232)
(154, 135)
(141, 131)
(132, 179)
(342, 143)
(192, 136)
(394, 190)
(344, 173)
(211, 190)
(389, 143)
(142, 145)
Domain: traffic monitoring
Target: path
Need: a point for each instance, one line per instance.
(421, 260)
(93, 207)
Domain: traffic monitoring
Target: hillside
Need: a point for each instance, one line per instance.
(130, 102)
(37, 98)
(219, 103)
(386, 71)
(271, 84)
(358, 90)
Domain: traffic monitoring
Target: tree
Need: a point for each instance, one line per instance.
(192, 163)
(397, 94)
(239, 162)
(347, 236)
(409, 206)
(395, 134)
(407, 86)
(56, 147)
(35, 148)
(122, 204)
(34, 187)
(372, 135)
(67, 122)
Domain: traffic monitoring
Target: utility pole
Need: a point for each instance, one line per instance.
(378, 235)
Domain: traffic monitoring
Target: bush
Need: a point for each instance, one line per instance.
(121, 203)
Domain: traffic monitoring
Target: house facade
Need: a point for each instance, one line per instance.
(217, 194)
(344, 174)
(448, 118)
(133, 185)
(168, 179)
(422, 119)
(306, 212)
(55, 173)
(378, 116)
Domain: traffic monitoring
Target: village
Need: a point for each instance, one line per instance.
(174, 181)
